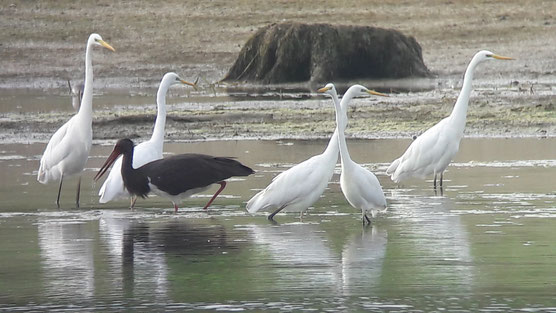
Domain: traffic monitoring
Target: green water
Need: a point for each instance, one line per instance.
(488, 244)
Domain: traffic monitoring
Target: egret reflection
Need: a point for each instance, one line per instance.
(67, 251)
(436, 245)
(362, 260)
(137, 265)
(302, 258)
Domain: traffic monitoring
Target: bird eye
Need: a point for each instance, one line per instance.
(489, 55)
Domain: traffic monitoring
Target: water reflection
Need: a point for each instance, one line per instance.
(137, 265)
(302, 259)
(436, 243)
(67, 251)
(362, 259)
(119, 254)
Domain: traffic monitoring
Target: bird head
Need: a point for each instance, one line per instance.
(121, 147)
(97, 40)
(487, 55)
(358, 90)
(172, 78)
(328, 89)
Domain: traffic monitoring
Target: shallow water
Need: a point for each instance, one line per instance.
(487, 244)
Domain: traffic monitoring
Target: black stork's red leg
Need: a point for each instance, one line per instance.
(222, 186)
(175, 207)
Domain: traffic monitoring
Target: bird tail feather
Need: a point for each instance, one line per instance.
(392, 168)
(256, 204)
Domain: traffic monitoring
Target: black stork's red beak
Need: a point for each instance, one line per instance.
(109, 161)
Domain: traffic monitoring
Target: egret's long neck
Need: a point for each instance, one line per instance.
(160, 124)
(459, 113)
(341, 122)
(86, 107)
(332, 148)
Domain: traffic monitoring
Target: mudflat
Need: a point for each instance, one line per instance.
(42, 46)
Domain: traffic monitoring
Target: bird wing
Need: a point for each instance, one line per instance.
(372, 190)
(361, 187)
(179, 173)
(392, 168)
(54, 151)
(421, 155)
(113, 187)
(293, 185)
(146, 152)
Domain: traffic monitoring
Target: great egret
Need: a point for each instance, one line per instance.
(360, 187)
(299, 187)
(176, 177)
(113, 187)
(67, 151)
(431, 152)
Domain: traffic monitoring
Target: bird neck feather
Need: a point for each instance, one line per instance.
(341, 125)
(86, 107)
(333, 147)
(459, 113)
(160, 123)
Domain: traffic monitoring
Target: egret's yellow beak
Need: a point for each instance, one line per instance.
(499, 57)
(372, 92)
(106, 45)
(323, 89)
(194, 85)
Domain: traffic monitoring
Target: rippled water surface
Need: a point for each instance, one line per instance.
(487, 244)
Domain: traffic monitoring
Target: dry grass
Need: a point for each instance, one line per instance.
(46, 38)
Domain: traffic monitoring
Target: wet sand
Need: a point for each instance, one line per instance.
(43, 45)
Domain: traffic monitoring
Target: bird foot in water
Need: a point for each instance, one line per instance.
(366, 220)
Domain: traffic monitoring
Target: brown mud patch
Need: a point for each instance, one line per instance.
(42, 45)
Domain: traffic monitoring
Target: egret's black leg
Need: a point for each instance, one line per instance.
(366, 219)
(59, 191)
(441, 188)
(271, 216)
(78, 192)
(434, 184)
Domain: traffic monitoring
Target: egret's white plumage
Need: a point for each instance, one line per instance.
(68, 149)
(360, 187)
(431, 152)
(145, 152)
(302, 185)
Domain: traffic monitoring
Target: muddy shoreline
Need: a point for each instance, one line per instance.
(43, 44)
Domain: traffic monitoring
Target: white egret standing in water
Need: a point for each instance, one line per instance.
(68, 150)
(431, 152)
(301, 186)
(145, 152)
(360, 187)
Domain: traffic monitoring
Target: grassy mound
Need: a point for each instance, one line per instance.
(294, 52)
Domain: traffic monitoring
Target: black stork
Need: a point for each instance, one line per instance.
(175, 177)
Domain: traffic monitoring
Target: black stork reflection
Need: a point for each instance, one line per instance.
(176, 177)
